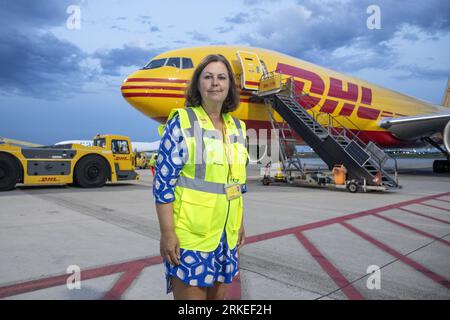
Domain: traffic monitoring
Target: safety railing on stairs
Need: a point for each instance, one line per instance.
(336, 128)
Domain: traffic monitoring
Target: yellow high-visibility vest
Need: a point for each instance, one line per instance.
(152, 161)
(201, 208)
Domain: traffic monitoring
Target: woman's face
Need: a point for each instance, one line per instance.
(214, 83)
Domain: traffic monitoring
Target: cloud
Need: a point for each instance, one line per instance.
(197, 36)
(317, 30)
(24, 14)
(257, 2)
(224, 29)
(419, 72)
(41, 65)
(119, 28)
(239, 18)
(33, 61)
(147, 20)
(112, 60)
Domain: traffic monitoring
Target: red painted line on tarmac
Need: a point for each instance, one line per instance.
(423, 233)
(123, 283)
(423, 215)
(443, 200)
(131, 268)
(234, 291)
(330, 269)
(29, 286)
(323, 223)
(436, 207)
(413, 264)
(11, 290)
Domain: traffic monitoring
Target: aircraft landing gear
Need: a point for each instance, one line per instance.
(441, 166)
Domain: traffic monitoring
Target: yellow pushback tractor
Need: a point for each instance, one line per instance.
(110, 158)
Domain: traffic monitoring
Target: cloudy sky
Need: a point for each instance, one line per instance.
(58, 82)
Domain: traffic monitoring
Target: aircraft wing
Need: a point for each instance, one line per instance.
(414, 127)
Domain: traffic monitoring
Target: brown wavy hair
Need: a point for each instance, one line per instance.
(193, 97)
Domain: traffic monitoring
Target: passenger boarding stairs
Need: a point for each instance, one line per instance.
(290, 158)
(334, 143)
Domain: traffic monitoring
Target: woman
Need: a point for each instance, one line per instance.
(200, 177)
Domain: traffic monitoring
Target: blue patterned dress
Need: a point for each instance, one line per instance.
(196, 268)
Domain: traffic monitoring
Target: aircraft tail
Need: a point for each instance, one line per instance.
(446, 100)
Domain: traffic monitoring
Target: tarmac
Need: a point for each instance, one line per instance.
(301, 243)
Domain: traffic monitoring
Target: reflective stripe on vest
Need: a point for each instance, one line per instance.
(201, 185)
(240, 138)
(199, 132)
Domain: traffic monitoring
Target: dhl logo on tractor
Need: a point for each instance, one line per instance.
(48, 179)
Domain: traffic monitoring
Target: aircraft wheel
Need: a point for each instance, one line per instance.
(441, 166)
(9, 172)
(266, 181)
(352, 187)
(91, 172)
(289, 179)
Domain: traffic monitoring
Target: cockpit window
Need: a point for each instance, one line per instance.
(173, 62)
(187, 63)
(158, 63)
(176, 62)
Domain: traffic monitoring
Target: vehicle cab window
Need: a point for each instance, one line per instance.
(100, 143)
(120, 146)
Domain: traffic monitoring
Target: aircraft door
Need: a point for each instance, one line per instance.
(251, 70)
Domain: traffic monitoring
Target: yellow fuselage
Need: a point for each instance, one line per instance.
(357, 104)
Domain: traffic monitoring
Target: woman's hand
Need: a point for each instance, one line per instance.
(169, 247)
(241, 236)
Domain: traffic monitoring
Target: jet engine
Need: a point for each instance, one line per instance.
(446, 137)
(442, 166)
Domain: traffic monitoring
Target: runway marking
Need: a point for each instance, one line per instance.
(329, 268)
(415, 265)
(132, 269)
(436, 207)
(443, 200)
(337, 220)
(423, 233)
(424, 215)
(44, 283)
(124, 282)
(234, 291)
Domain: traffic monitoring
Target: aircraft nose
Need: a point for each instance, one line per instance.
(153, 93)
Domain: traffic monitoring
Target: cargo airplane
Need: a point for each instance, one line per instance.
(388, 118)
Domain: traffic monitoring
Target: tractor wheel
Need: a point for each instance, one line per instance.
(9, 172)
(91, 172)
